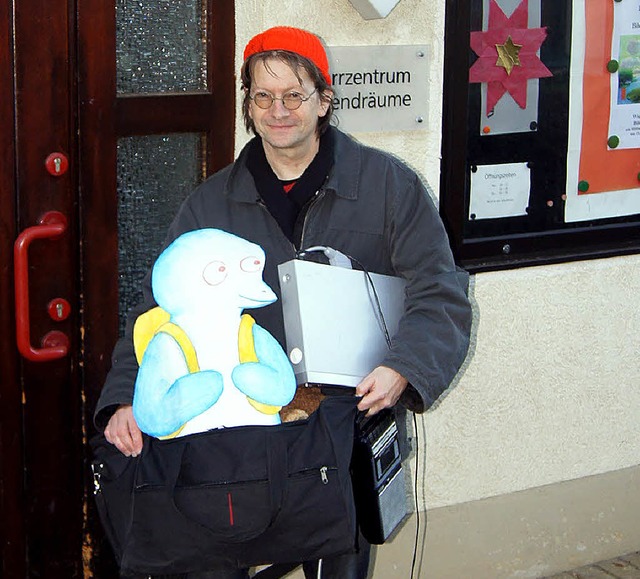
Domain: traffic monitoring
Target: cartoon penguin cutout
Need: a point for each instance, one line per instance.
(204, 364)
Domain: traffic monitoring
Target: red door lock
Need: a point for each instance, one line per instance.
(59, 309)
(57, 164)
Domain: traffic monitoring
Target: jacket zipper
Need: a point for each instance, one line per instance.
(318, 195)
(263, 205)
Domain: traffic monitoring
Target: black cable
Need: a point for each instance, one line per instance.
(300, 254)
(415, 492)
(380, 313)
(387, 337)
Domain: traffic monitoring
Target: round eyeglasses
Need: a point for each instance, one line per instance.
(291, 100)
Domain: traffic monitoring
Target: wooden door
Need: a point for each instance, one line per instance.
(138, 99)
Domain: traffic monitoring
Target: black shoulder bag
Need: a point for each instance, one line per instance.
(247, 495)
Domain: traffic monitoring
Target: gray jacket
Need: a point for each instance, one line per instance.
(373, 208)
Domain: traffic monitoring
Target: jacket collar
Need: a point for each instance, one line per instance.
(343, 180)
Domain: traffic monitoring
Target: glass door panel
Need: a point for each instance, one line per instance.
(155, 174)
(161, 46)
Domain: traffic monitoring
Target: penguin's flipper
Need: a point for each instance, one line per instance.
(166, 394)
(265, 374)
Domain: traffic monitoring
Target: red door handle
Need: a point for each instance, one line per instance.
(54, 344)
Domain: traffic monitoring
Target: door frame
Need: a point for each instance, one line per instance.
(12, 544)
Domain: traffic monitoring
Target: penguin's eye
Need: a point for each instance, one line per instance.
(251, 264)
(214, 273)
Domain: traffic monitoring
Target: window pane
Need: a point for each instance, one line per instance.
(161, 46)
(155, 174)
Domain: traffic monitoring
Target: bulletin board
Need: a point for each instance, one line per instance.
(541, 130)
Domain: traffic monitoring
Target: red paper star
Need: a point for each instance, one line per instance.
(487, 68)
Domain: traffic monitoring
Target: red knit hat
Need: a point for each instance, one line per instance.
(292, 40)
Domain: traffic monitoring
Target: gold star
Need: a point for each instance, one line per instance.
(508, 55)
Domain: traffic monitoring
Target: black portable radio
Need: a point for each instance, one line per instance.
(377, 476)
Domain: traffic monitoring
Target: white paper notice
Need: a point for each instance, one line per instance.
(624, 117)
(499, 191)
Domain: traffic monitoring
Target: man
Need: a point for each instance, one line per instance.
(301, 183)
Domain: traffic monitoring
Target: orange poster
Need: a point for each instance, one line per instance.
(603, 168)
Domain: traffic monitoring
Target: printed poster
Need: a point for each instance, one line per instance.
(624, 116)
(602, 182)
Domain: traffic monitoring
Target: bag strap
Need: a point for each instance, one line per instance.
(180, 336)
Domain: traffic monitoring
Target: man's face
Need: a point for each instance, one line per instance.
(284, 131)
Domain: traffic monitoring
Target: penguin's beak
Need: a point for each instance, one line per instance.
(258, 296)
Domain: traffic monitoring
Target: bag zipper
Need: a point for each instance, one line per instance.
(322, 471)
(150, 486)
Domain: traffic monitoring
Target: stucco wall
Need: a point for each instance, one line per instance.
(550, 392)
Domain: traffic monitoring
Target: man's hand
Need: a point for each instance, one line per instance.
(380, 389)
(122, 431)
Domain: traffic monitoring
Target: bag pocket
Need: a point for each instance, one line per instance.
(315, 504)
(234, 512)
(315, 520)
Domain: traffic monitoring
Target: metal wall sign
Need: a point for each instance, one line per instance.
(380, 88)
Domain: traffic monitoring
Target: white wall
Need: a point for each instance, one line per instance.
(551, 391)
